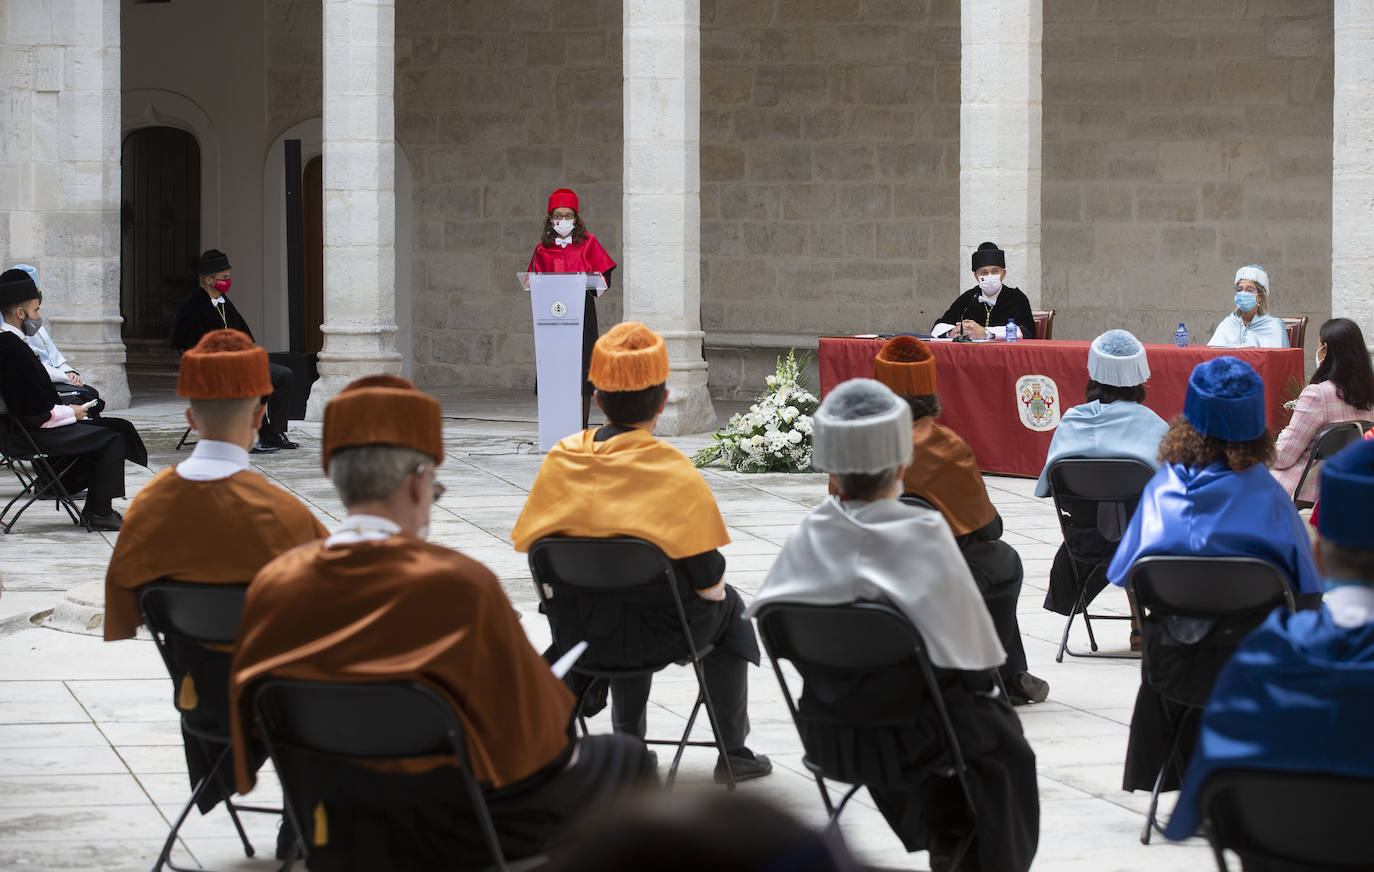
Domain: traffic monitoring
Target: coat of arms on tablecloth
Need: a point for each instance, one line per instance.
(1037, 399)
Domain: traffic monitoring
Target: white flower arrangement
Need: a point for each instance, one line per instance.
(775, 434)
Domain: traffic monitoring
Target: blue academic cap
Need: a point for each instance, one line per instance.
(1347, 489)
(1226, 400)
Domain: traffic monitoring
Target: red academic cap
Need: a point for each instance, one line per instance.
(562, 197)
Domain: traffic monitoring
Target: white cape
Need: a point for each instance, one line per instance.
(886, 551)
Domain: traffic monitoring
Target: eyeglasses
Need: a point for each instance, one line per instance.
(563, 216)
(439, 489)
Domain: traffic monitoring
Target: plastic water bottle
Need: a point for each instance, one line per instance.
(1181, 336)
(1012, 333)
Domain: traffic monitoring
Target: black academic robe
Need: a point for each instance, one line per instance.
(29, 396)
(1011, 305)
(197, 316)
(875, 730)
(996, 568)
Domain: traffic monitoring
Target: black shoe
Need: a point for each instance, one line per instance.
(277, 440)
(107, 523)
(744, 765)
(259, 448)
(1027, 688)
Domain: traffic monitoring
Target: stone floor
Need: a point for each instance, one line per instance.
(91, 766)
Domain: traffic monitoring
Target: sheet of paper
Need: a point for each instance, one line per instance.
(563, 664)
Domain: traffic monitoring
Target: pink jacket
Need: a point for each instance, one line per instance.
(1318, 408)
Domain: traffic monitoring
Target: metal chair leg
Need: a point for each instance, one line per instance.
(715, 727)
(165, 858)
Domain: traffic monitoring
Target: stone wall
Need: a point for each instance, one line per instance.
(1183, 139)
(830, 173)
(498, 102)
(295, 63)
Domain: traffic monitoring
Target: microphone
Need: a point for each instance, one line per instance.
(962, 337)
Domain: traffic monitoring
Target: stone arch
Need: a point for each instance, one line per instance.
(311, 135)
(150, 107)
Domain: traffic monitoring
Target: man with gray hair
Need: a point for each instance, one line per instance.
(863, 545)
(375, 602)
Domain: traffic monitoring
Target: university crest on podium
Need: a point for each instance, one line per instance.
(1037, 400)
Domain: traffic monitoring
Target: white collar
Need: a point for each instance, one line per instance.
(984, 298)
(217, 301)
(563, 241)
(5, 325)
(212, 460)
(362, 528)
(1350, 605)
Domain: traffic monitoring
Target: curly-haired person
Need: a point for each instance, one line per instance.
(1213, 497)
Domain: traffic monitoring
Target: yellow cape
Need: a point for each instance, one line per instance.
(630, 485)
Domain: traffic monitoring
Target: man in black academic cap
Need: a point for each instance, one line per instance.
(27, 394)
(209, 308)
(982, 312)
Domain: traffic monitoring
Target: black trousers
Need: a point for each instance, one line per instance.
(379, 821)
(278, 403)
(996, 567)
(100, 447)
(724, 671)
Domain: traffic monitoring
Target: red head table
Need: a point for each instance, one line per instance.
(1005, 399)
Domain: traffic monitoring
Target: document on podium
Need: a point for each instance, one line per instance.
(556, 305)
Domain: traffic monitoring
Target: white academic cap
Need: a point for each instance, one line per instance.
(861, 427)
(1117, 358)
(1255, 273)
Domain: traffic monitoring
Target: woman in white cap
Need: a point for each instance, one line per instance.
(1112, 422)
(862, 545)
(1250, 325)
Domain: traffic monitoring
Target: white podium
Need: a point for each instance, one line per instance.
(556, 305)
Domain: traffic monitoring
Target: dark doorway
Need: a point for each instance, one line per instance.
(312, 229)
(160, 223)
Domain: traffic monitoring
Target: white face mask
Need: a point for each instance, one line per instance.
(990, 285)
(563, 226)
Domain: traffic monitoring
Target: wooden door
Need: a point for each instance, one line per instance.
(160, 228)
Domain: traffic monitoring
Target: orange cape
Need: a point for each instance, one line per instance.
(211, 532)
(630, 485)
(944, 471)
(401, 609)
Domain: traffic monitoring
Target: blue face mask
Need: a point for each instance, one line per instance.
(1246, 301)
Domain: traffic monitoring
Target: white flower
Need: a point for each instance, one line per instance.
(756, 440)
(772, 381)
(795, 437)
(790, 412)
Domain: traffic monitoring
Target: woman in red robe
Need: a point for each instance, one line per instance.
(566, 246)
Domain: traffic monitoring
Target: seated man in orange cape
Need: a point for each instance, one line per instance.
(944, 472)
(376, 602)
(618, 480)
(208, 520)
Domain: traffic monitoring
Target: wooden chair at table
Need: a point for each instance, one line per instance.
(1297, 330)
(1044, 323)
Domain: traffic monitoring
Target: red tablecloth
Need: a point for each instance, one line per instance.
(977, 386)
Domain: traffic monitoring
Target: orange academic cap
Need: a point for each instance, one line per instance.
(224, 365)
(906, 365)
(383, 410)
(630, 357)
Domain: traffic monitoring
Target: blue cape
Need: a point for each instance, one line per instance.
(1119, 429)
(1297, 696)
(1213, 512)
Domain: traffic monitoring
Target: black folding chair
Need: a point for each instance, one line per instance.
(1290, 821)
(345, 722)
(604, 574)
(39, 473)
(182, 441)
(183, 617)
(1330, 441)
(918, 501)
(1098, 495)
(1236, 594)
(833, 645)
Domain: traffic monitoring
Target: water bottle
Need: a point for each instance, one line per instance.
(1012, 333)
(1181, 336)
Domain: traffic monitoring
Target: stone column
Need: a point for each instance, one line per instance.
(662, 205)
(359, 197)
(999, 136)
(1352, 167)
(59, 174)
